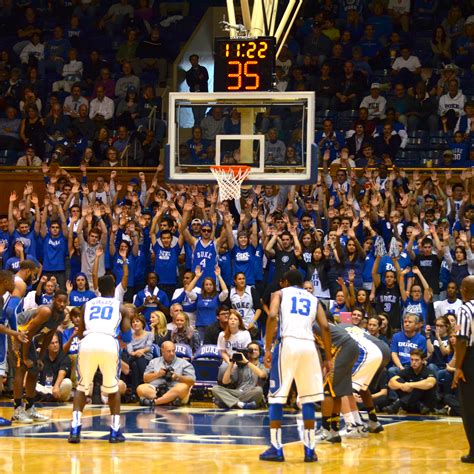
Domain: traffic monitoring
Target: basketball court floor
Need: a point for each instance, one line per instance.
(206, 440)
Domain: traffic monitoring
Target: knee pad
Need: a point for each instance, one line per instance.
(275, 412)
(308, 411)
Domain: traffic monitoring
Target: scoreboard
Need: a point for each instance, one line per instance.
(244, 64)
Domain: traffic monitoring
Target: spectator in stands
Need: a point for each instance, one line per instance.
(451, 106)
(453, 24)
(399, 10)
(328, 139)
(33, 52)
(213, 330)
(183, 333)
(56, 125)
(168, 379)
(116, 14)
(441, 47)
(92, 67)
(127, 51)
(106, 82)
(406, 68)
(32, 130)
(388, 142)
(30, 98)
(197, 146)
(360, 64)
(101, 108)
(197, 78)
(336, 61)
(358, 141)
(71, 72)
(151, 298)
(421, 110)
(437, 343)
(158, 328)
(29, 159)
(415, 387)
(465, 123)
(128, 79)
(213, 124)
(275, 149)
(74, 101)
(84, 125)
(464, 46)
(10, 89)
(451, 304)
(460, 146)
(400, 103)
(139, 351)
(28, 26)
(404, 342)
(127, 109)
(369, 125)
(317, 44)
(242, 381)
(325, 88)
(375, 103)
(153, 55)
(55, 53)
(54, 382)
(349, 88)
(10, 130)
(381, 22)
(370, 45)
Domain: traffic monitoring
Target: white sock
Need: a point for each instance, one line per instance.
(357, 418)
(76, 419)
(275, 437)
(309, 440)
(348, 418)
(240, 404)
(115, 425)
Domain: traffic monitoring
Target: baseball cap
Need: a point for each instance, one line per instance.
(375, 85)
(451, 67)
(134, 181)
(196, 221)
(448, 152)
(206, 224)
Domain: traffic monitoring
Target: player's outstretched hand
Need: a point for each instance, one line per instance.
(267, 359)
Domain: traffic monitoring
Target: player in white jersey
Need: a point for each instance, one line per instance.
(294, 357)
(101, 321)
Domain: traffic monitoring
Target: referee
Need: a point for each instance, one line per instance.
(464, 374)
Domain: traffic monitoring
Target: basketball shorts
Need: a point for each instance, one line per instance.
(98, 351)
(32, 355)
(339, 382)
(368, 363)
(298, 360)
(3, 354)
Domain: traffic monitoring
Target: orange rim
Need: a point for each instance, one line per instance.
(234, 169)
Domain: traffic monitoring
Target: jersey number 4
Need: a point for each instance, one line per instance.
(301, 306)
(101, 312)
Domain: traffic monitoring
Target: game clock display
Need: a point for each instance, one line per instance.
(244, 65)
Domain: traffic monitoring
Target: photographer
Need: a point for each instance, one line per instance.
(168, 379)
(246, 375)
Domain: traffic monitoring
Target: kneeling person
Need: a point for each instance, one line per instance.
(168, 379)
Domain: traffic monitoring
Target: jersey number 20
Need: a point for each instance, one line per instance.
(102, 312)
(300, 306)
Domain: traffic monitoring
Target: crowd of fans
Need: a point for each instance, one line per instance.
(382, 248)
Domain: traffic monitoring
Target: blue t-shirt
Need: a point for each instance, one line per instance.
(117, 268)
(139, 299)
(28, 240)
(166, 262)
(225, 264)
(402, 345)
(13, 263)
(74, 347)
(78, 298)
(242, 260)
(206, 258)
(420, 308)
(55, 250)
(206, 310)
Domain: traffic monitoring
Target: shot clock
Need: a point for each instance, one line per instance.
(244, 65)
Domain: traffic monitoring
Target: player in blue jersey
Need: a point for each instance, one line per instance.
(293, 311)
(101, 321)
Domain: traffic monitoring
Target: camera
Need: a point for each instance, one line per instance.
(169, 371)
(238, 356)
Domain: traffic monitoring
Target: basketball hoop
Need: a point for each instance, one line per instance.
(230, 179)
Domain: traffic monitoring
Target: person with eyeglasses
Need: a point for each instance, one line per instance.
(437, 344)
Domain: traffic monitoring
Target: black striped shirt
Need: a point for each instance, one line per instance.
(465, 321)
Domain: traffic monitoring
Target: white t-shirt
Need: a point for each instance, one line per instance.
(445, 307)
(239, 340)
(399, 6)
(412, 63)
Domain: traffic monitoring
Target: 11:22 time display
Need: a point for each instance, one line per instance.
(244, 64)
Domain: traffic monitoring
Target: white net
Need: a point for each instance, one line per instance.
(230, 179)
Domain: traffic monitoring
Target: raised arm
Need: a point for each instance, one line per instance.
(427, 292)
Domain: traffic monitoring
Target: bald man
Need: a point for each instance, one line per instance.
(464, 374)
(168, 379)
